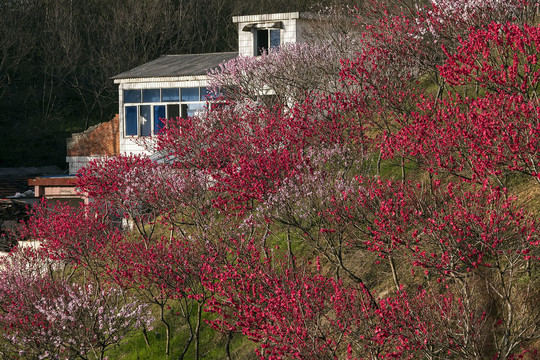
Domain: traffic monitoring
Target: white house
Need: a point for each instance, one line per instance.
(175, 85)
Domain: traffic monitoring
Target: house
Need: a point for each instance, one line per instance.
(176, 86)
(168, 87)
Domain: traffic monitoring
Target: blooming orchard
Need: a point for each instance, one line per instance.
(355, 201)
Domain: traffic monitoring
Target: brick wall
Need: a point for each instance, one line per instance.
(102, 139)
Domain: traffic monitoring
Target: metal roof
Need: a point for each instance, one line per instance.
(178, 65)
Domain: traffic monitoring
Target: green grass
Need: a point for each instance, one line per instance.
(212, 343)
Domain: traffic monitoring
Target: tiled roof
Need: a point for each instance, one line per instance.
(178, 65)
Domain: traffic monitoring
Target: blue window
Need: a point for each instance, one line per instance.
(170, 94)
(145, 120)
(266, 40)
(206, 94)
(274, 38)
(132, 96)
(159, 118)
(190, 94)
(131, 120)
(158, 105)
(150, 95)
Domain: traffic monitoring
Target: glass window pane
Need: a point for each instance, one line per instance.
(132, 96)
(145, 120)
(170, 94)
(131, 120)
(173, 111)
(159, 118)
(192, 109)
(206, 94)
(184, 111)
(190, 94)
(150, 95)
(274, 39)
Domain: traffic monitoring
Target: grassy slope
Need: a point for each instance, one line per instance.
(212, 343)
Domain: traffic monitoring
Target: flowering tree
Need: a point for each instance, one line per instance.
(166, 273)
(289, 313)
(48, 317)
(248, 153)
(499, 58)
(449, 235)
(141, 190)
(489, 137)
(285, 76)
(492, 135)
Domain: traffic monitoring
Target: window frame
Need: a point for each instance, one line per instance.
(259, 50)
(133, 111)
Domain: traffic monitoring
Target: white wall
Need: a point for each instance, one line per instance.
(76, 163)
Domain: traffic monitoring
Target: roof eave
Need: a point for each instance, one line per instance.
(132, 80)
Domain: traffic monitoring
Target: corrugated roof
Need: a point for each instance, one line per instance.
(178, 65)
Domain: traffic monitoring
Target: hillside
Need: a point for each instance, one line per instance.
(381, 203)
